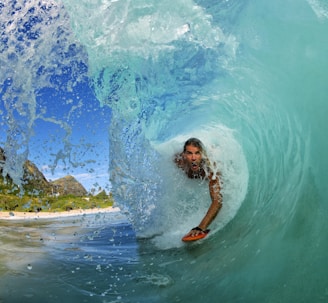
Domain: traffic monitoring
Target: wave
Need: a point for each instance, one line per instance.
(238, 75)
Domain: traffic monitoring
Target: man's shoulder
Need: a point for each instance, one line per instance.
(178, 160)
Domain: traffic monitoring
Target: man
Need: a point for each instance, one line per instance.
(193, 161)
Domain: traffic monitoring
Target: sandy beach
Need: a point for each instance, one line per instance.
(14, 215)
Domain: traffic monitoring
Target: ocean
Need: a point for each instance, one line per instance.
(248, 78)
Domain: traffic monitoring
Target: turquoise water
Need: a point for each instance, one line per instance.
(247, 77)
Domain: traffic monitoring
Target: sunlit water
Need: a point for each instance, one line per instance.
(248, 78)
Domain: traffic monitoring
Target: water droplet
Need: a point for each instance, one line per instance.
(98, 267)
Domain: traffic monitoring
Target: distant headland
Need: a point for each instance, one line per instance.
(36, 193)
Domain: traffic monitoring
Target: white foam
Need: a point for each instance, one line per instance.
(320, 8)
(186, 201)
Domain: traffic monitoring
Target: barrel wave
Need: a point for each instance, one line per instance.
(247, 78)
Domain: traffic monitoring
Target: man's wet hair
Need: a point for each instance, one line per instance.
(194, 142)
(197, 143)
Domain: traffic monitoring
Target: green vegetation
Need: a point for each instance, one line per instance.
(28, 203)
(37, 195)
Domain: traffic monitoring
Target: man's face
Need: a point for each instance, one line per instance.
(193, 157)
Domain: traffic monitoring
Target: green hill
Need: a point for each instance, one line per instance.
(38, 194)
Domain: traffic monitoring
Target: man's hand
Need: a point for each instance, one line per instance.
(196, 231)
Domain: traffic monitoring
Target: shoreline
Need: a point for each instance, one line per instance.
(19, 215)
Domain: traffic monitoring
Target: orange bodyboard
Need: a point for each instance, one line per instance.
(194, 238)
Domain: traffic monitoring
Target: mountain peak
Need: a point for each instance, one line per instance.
(35, 182)
(68, 185)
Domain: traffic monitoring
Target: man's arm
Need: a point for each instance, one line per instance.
(216, 197)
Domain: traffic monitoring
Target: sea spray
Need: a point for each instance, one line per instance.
(37, 51)
(269, 98)
(138, 68)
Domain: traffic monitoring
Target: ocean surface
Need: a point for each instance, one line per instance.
(249, 78)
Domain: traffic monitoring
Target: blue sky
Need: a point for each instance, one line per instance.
(70, 137)
(46, 104)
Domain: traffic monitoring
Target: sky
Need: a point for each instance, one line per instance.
(46, 104)
(70, 137)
